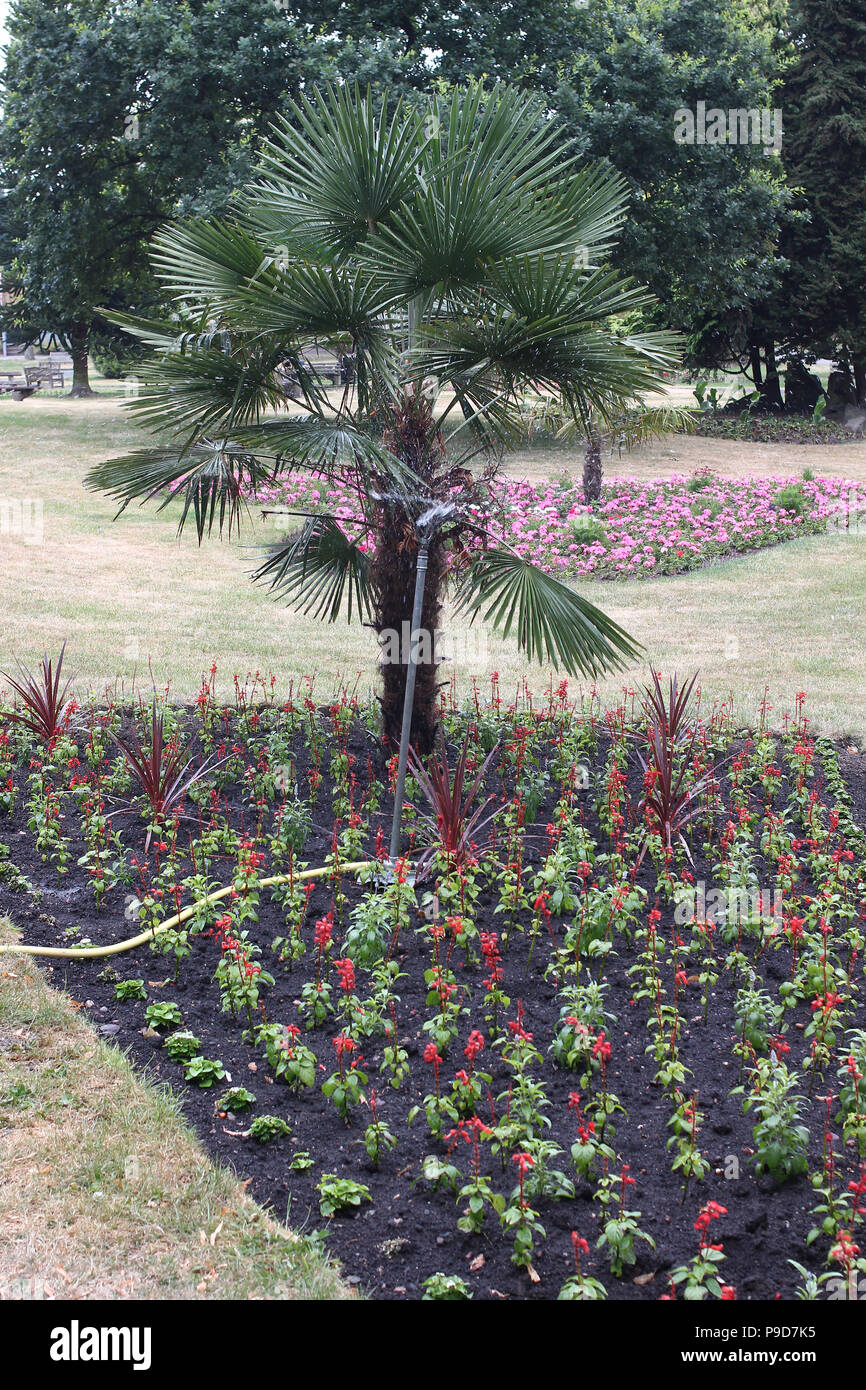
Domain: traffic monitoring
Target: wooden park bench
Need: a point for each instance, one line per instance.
(45, 375)
(324, 365)
(17, 385)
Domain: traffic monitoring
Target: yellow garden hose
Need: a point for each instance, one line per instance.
(93, 952)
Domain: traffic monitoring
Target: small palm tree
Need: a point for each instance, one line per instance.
(451, 256)
(638, 427)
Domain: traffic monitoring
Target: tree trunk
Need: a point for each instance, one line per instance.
(755, 365)
(858, 367)
(592, 470)
(414, 437)
(78, 343)
(394, 572)
(771, 391)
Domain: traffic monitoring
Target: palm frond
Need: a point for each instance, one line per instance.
(596, 198)
(162, 334)
(202, 263)
(335, 168)
(491, 187)
(313, 570)
(549, 620)
(327, 446)
(639, 427)
(658, 420)
(200, 392)
(211, 481)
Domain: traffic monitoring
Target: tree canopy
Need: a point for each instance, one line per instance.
(114, 117)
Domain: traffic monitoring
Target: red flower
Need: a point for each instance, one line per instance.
(324, 928)
(711, 1211)
(344, 1044)
(601, 1048)
(346, 971)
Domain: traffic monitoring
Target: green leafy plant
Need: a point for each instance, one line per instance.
(236, 1098)
(445, 1288)
(339, 1194)
(182, 1045)
(620, 1227)
(163, 1015)
(264, 1128)
(781, 1139)
(130, 989)
(378, 1138)
(343, 1087)
(792, 499)
(204, 1072)
(580, 1287)
(291, 1060)
(699, 1279)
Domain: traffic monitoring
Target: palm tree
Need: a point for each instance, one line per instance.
(452, 255)
(637, 427)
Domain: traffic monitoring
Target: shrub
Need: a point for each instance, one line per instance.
(792, 499)
(587, 529)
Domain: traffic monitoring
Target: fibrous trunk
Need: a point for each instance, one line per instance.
(395, 568)
(413, 437)
(592, 468)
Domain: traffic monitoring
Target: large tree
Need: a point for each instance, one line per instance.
(443, 252)
(115, 114)
(704, 218)
(825, 156)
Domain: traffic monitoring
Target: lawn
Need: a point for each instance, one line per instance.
(138, 607)
(105, 1193)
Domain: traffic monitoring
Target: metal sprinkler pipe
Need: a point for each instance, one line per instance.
(408, 698)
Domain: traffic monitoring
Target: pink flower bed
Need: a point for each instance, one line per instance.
(640, 527)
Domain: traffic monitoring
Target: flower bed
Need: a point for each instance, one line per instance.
(770, 429)
(572, 1063)
(657, 526)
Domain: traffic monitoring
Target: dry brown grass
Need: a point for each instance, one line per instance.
(133, 599)
(104, 1191)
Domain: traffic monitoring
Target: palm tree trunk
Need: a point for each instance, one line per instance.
(394, 577)
(592, 470)
(414, 437)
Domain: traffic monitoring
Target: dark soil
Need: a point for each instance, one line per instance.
(408, 1232)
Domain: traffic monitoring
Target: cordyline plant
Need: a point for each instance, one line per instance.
(671, 799)
(454, 825)
(158, 769)
(452, 256)
(46, 705)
